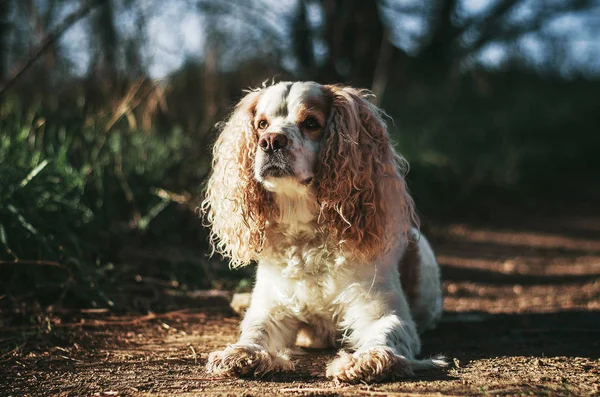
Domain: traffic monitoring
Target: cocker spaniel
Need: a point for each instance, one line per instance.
(306, 183)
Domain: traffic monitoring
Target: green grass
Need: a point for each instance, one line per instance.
(68, 190)
(87, 199)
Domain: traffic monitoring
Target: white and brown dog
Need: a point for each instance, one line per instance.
(306, 183)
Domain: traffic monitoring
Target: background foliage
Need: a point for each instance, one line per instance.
(104, 144)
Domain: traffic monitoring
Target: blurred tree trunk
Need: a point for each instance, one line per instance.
(359, 51)
(40, 24)
(4, 36)
(105, 40)
(302, 41)
(351, 27)
(437, 59)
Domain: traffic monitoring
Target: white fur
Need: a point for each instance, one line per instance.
(318, 295)
(306, 291)
(427, 309)
(281, 103)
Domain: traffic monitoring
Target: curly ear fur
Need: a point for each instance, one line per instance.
(236, 206)
(360, 179)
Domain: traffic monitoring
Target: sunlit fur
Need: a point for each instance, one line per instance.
(357, 156)
(357, 160)
(236, 205)
(329, 236)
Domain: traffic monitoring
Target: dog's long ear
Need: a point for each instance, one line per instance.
(235, 205)
(361, 185)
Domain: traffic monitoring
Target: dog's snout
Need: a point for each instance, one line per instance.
(272, 142)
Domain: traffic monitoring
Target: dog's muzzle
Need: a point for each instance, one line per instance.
(276, 164)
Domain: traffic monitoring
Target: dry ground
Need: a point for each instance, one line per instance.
(522, 317)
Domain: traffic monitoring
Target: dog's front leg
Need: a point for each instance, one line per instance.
(382, 334)
(267, 330)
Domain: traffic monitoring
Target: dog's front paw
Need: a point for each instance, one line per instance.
(373, 365)
(246, 360)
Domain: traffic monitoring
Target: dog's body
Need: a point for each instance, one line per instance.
(306, 183)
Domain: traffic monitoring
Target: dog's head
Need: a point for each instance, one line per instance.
(327, 143)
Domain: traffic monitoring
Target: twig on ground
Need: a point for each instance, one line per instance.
(194, 354)
(104, 323)
(94, 311)
(71, 358)
(510, 390)
(8, 353)
(17, 261)
(404, 394)
(361, 391)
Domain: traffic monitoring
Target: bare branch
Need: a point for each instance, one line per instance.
(50, 39)
(499, 29)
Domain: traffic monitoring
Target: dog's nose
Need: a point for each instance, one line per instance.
(271, 142)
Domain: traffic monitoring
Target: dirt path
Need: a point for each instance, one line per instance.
(522, 317)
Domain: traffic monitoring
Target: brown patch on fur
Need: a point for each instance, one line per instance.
(317, 107)
(409, 271)
(358, 167)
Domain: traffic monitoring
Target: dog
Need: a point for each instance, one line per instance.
(307, 184)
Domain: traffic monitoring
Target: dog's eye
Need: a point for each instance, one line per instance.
(262, 124)
(311, 123)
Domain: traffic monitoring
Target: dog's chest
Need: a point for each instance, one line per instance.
(307, 279)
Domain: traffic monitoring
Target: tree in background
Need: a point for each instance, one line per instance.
(94, 149)
(365, 41)
(360, 42)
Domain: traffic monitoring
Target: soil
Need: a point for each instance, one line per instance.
(522, 317)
